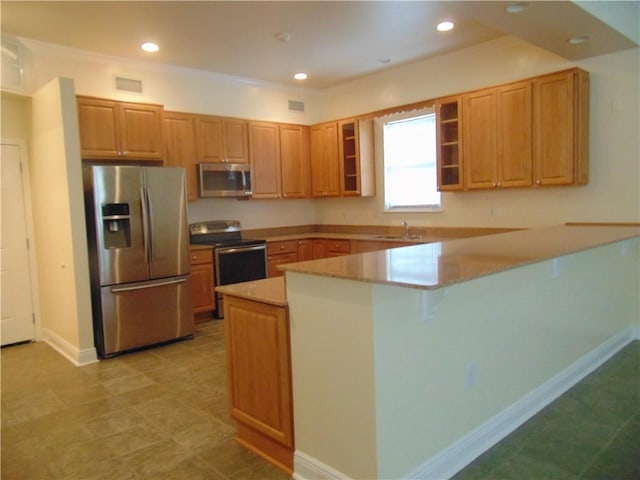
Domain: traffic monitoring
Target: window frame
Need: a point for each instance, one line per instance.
(400, 116)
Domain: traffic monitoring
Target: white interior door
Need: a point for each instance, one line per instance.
(16, 309)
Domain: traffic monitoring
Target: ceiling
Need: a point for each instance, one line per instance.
(332, 41)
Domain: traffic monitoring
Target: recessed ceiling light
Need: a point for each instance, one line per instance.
(300, 76)
(579, 39)
(444, 26)
(384, 60)
(517, 7)
(150, 47)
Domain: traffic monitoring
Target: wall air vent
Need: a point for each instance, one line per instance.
(296, 106)
(129, 85)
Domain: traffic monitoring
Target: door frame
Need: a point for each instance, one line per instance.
(28, 209)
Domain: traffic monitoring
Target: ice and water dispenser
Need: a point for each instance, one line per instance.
(116, 225)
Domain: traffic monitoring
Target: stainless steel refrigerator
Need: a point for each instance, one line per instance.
(139, 256)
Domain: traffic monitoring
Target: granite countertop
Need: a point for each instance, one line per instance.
(268, 290)
(358, 236)
(439, 264)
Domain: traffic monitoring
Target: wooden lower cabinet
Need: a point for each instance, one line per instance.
(305, 249)
(335, 248)
(319, 248)
(259, 378)
(279, 253)
(202, 282)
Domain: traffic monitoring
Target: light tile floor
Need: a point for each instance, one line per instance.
(159, 413)
(162, 413)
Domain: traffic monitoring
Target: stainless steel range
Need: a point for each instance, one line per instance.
(235, 259)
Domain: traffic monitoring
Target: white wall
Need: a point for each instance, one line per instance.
(61, 252)
(177, 88)
(490, 342)
(612, 194)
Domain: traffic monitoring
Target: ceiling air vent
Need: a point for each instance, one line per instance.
(296, 106)
(129, 85)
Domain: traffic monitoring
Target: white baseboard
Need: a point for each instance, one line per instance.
(461, 453)
(76, 356)
(305, 467)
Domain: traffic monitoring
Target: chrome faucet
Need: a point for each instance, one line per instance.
(406, 229)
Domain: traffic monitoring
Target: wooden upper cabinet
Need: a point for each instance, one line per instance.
(561, 128)
(497, 137)
(480, 142)
(180, 147)
(279, 156)
(515, 139)
(449, 143)
(294, 159)
(209, 137)
(264, 153)
(355, 147)
(222, 139)
(533, 132)
(111, 130)
(325, 161)
(234, 138)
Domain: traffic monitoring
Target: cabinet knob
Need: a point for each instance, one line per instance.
(538, 182)
(499, 184)
(194, 258)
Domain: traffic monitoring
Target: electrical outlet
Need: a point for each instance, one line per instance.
(472, 376)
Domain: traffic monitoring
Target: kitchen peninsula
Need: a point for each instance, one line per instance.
(410, 362)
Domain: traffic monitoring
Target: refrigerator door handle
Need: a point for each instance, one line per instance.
(150, 285)
(149, 208)
(146, 237)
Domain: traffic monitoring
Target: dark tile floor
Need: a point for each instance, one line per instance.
(590, 432)
(162, 414)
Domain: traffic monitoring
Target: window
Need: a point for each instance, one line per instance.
(410, 173)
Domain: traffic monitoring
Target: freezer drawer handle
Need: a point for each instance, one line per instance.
(152, 285)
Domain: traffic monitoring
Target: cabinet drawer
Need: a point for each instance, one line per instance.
(338, 246)
(199, 257)
(288, 246)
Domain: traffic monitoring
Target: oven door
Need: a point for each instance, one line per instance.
(238, 264)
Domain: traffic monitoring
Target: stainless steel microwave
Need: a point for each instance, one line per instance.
(224, 179)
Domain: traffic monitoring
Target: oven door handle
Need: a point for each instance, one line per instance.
(229, 250)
